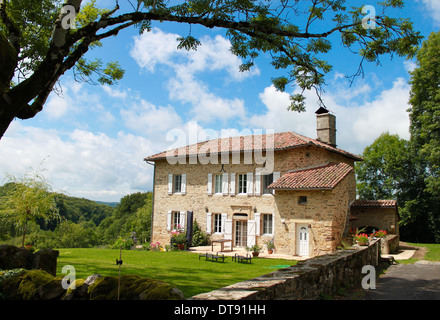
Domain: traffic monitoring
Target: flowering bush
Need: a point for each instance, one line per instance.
(380, 234)
(361, 237)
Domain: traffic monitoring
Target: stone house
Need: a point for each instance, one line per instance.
(284, 186)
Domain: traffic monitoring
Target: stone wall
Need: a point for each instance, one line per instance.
(308, 279)
(12, 257)
(381, 218)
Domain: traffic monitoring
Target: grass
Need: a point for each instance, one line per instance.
(182, 269)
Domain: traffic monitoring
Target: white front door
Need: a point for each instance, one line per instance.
(302, 240)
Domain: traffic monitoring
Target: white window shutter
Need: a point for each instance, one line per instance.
(225, 184)
(170, 184)
(228, 229)
(232, 185)
(209, 187)
(182, 219)
(273, 224)
(251, 233)
(183, 186)
(224, 217)
(257, 183)
(250, 183)
(276, 176)
(208, 222)
(257, 224)
(169, 221)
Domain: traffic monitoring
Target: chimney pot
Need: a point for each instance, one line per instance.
(326, 126)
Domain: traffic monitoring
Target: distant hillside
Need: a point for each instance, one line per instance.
(111, 204)
(75, 209)
(80, 209)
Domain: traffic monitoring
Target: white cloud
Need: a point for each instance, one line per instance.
(358, 124)
(213, 55)
(148, 119)
(86, 164)
(433, 7)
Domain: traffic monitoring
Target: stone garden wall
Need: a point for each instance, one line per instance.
(12, 257)
(308, 279)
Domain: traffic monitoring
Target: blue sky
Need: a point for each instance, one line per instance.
(91, 139)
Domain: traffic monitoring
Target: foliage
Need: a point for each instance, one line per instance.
(361, 237)
(41, 48)
(124, 243)
(255, 248)
(269, 244)
(200, 238)
(393, 168)
(29, 199)
(380, 234)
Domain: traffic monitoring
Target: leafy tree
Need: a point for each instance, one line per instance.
(384, 167)
(425, 109)
(38, 41)
(394, 169)
(30, 198)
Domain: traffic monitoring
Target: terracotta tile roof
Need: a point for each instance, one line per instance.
(321, 177)
(281, 141)
(374, 203)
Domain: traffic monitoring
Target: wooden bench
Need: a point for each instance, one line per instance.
(246, 259)
(212, 257)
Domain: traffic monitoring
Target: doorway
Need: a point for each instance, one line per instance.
(302, 240)
(240, 229)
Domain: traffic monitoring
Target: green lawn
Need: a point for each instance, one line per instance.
(433, 253)
(179, 268)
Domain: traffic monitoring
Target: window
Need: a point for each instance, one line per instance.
(175, 222)
(302, 200)
(217, 223)
(242, 183)
(267, 180)
(218, 183)
(267, 224)
(177, 183)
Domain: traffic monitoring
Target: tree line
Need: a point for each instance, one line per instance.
(409, 170)
(78, 222)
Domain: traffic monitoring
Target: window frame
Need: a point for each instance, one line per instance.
(220, 187)
(242, 183)
(265, 184)
(175, 220)
(267, 225)
(177, 183)
(217, 223)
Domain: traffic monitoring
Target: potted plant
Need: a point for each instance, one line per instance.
(380, 234)
(270, 246)
(180, 240)
(255, 250)
(361, 239)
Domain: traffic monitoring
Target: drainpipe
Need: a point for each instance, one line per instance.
(152, 201)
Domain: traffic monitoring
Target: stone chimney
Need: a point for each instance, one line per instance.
(326, 126)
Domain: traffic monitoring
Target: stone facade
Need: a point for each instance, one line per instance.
(378, 215)
(323, 214)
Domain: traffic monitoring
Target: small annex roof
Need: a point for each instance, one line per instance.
(320, 177)
(374, 204)
(264, 142)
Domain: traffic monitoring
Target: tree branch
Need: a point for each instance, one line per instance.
(14, 32)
